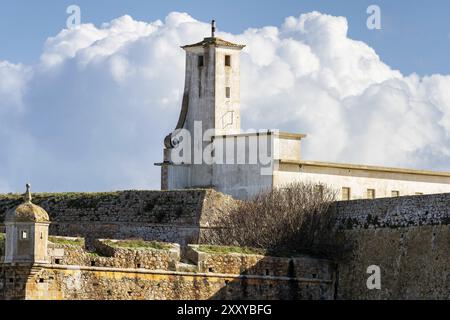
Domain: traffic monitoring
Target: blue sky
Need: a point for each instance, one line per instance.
(410, 28)
(87, 109)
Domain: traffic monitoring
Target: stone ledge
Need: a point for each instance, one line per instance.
(177, 273)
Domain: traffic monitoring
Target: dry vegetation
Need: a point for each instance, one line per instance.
(292, 220)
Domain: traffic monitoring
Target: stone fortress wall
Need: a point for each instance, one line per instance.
(172, 216)
(128, 274)
(407, 237)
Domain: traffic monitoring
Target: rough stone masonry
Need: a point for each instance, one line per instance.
(407, 237)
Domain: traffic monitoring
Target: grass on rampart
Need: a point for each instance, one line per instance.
(79, 242)
(2, 243)
(246, 250)
(227, 250)
(138, 244)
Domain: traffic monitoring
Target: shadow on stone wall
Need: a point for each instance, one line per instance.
(13, 281)
(253, 286)
(258, 277)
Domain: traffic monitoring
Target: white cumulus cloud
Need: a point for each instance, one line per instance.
(93, 112)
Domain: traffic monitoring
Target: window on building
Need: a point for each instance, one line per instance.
(395, 194)
(370, 193)
(24, 235)
(201, 61)
(228, 61)
(228, 92)
(346, 194)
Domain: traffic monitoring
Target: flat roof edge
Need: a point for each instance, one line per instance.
(366, 168)
(297, 136)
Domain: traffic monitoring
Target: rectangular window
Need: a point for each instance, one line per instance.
(228, 61)
(201, 61)
(24, 235)
(370, 193)
(346, 194)
(395, 194)
(228, 92)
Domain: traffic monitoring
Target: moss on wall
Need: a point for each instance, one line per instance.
(2, 244)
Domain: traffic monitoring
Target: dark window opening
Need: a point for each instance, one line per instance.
(92, 263)
(211, 270)
(228, 92)
(41, 280)
(138, 265)
(57, 261)
(267, 272)
(11, 280)
(314, 276)
(201, 61)
(228, 61)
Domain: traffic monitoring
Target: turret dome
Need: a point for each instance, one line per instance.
(27, 211)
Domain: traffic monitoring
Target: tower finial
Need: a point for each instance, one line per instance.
(28, 197)
(213, 28)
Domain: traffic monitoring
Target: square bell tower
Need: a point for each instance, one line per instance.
(211, 102)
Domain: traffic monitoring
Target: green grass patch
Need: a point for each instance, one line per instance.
(2, 244)
(93, 254)
(227, 250)
(247, 250)
(138, 244)
(79, 242)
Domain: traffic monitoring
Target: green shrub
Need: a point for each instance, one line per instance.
(2, 244)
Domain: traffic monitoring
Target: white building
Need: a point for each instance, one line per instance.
(238, 164)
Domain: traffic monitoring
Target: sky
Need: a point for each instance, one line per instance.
(87, 109)
(409, 28)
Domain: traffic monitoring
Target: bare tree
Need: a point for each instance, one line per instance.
(293, 219)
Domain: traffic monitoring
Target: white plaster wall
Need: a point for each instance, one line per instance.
(359, 181)
(241, 181)
(227, 110)
(287, 149)
(208, 103)
(179, 177)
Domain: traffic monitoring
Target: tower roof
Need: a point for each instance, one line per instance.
(217, 42)
(27, 211)
(214, 41)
